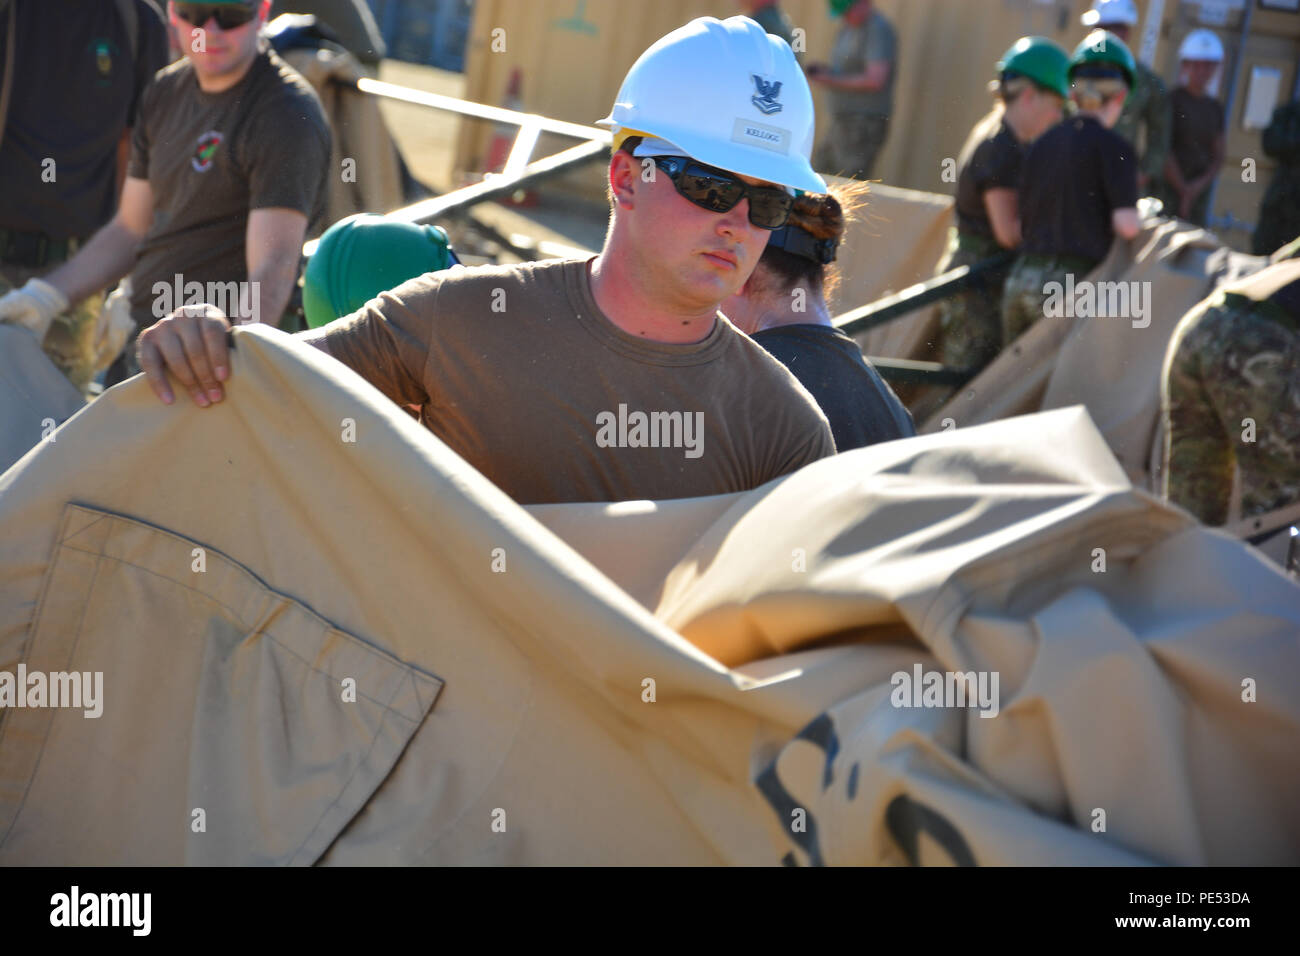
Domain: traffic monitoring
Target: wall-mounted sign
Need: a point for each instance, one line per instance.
(1215, 12)
(1261, 96)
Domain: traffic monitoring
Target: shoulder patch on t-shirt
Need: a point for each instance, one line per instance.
(205, 151)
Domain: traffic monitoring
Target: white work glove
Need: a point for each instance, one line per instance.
(34, 306)
(113, 325)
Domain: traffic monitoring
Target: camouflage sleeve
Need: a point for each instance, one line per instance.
(1198, 462)
(1159, 122)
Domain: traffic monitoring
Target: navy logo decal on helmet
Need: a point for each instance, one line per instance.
(765, 98)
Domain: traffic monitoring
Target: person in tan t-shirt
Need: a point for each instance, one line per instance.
(616, 377)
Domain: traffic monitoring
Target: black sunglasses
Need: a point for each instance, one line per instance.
(228, 17)
(718, 191)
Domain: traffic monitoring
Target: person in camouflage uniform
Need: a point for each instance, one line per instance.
(1279, 213)
(1148, 102)
(75, 85)
(1031, 89)
(860, 89)
(1147, 105)
(1079, 186)
(1230, 396)
(1024, 294)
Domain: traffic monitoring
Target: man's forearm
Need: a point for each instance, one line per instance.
(855, 83)
(107, 257)
(272, 285)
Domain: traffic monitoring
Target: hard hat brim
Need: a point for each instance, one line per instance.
(779, 168)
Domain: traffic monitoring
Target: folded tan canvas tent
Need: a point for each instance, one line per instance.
(1109, 364)
(324, 639)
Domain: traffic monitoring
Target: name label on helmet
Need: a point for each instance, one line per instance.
(761, 135)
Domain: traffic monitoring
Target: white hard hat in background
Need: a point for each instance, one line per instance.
(1201, 45)
(727, 94)
(1106, 12)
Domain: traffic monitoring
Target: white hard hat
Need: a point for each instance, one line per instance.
(1201, 45)
(727, 94)
(1106, 12)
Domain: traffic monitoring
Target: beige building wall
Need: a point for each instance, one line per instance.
(573, 55)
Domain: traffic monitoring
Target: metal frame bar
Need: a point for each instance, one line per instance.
(499, 114)
(909, 372)
(922, 294)
(428, 210)
(519, 173)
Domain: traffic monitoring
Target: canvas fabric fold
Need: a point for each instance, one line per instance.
(678, 682)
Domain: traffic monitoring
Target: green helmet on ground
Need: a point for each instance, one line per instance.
(364, 255)
(1103, 54)
(1040, 60)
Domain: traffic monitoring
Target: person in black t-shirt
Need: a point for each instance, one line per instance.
(1079, 188)
(782, 307)
(78, 72)
(1030, 97)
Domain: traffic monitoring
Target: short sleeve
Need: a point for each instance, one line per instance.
(881, 41)
(820, 444)
(151, 55)
(288, 152)
(1120, 172)
(1005, 164)
(137, 166)
(387, 341)
(996, 164)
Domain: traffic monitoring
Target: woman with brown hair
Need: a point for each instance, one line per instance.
(782, 307)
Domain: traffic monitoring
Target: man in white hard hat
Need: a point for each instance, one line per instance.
(615, 377)
(1147, 105)
(1197, 147)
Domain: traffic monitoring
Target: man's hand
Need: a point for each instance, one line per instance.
(191, 344)
(34, 306)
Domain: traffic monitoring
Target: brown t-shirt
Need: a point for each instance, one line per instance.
(522, 375)
(210, 159)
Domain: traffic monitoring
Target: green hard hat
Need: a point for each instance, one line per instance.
(1040, 60)
(1103, 48)
(364, 255)
(840, 7)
